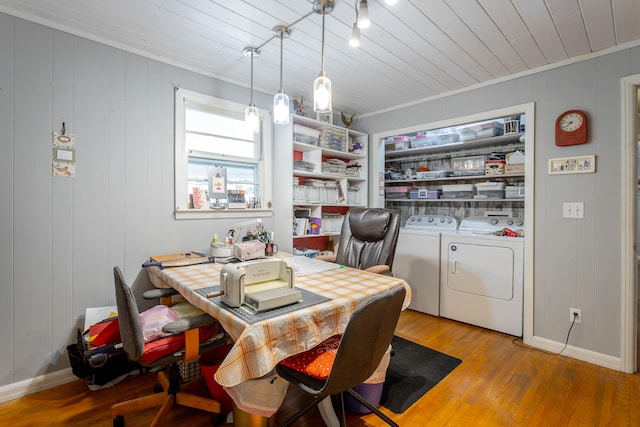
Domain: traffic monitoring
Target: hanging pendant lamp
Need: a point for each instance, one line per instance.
(354, 41)
(363, 20)
(322, 84)
(251, 113)
(281, 100)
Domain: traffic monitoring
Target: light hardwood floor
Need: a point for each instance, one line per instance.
(498, 383)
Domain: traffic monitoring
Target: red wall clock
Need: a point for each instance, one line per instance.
(571, 128)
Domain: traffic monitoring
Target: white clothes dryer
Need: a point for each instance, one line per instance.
(417, 259)
(482, 275)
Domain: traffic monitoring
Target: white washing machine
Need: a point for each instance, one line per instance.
(482, 275)
(417, 259)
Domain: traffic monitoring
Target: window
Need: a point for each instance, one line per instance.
(210, 132)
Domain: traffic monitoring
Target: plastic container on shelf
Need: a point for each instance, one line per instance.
(305, 135)
(471, 165)
(514, 192)
(422, 140)
(399, 192)
(490, 190)
(457, 191)
(400, 142)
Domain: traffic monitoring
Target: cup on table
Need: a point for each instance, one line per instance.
(271, 249)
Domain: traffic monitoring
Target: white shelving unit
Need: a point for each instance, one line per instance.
(302, 184)
(442, 156)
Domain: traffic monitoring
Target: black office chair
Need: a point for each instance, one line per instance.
(368, 240)
(365, 341)
(190, 337)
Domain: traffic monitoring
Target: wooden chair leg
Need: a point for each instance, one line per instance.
(139, 404)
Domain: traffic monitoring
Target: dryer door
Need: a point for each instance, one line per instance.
(479, 269)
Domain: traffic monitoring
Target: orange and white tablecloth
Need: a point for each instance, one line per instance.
(261, 345)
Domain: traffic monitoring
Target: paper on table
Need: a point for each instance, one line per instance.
(303, 265)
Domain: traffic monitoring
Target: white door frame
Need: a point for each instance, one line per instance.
(629, 260)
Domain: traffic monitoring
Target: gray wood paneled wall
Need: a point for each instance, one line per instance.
(61, 237)
(577, 262)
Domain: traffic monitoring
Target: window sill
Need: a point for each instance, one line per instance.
(221, 213)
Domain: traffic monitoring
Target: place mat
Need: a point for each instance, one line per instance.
(413, 371)
(308, 299)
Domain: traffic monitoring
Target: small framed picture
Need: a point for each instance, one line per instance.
(325, 117)
(568, 165)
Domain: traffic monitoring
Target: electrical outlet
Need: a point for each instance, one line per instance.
(577, 313)
(573, 210)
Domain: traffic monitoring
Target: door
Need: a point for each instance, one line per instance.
(480, 269)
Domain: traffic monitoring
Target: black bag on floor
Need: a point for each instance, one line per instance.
(100, 366)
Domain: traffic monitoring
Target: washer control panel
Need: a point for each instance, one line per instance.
(431, 223)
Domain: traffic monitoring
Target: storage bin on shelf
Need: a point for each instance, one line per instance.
(448, 138)
(457, 191)
(400, 142)
(399, 192)
(334, 139)
(305, 134)
(490, 190)
(514, 192)
(422, 140)
(482, 130)
(494, 167)
(425, 193)
(491, 128)
(471, 165)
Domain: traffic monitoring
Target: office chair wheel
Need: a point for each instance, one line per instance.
(157, 388)
(218, 419)
(118, 421)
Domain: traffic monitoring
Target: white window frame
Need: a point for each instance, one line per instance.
(265, 162)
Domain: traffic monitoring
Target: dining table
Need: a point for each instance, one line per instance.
(332, 292)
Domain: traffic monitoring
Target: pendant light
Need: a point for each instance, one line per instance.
(251, 113)
(354, 41)
(363, 15)
(322, 84)
(281, 100)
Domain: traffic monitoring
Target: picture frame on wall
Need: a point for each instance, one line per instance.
(570, 165)
(325, 118)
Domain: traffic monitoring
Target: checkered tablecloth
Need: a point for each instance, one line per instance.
(260, 346)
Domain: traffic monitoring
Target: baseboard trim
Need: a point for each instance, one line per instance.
(35, 384)
(589, 356)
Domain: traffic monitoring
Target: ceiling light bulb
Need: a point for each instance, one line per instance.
(281, 100)
(252, 118)
(391, 2)
(251, 113)
(281, 108)
(363, 15)
(322, 94)
(354, 41)
(322, 84)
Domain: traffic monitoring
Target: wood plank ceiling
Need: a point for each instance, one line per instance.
(413, 50)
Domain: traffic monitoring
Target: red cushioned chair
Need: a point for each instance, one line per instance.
(359, 352)
(190, 337)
